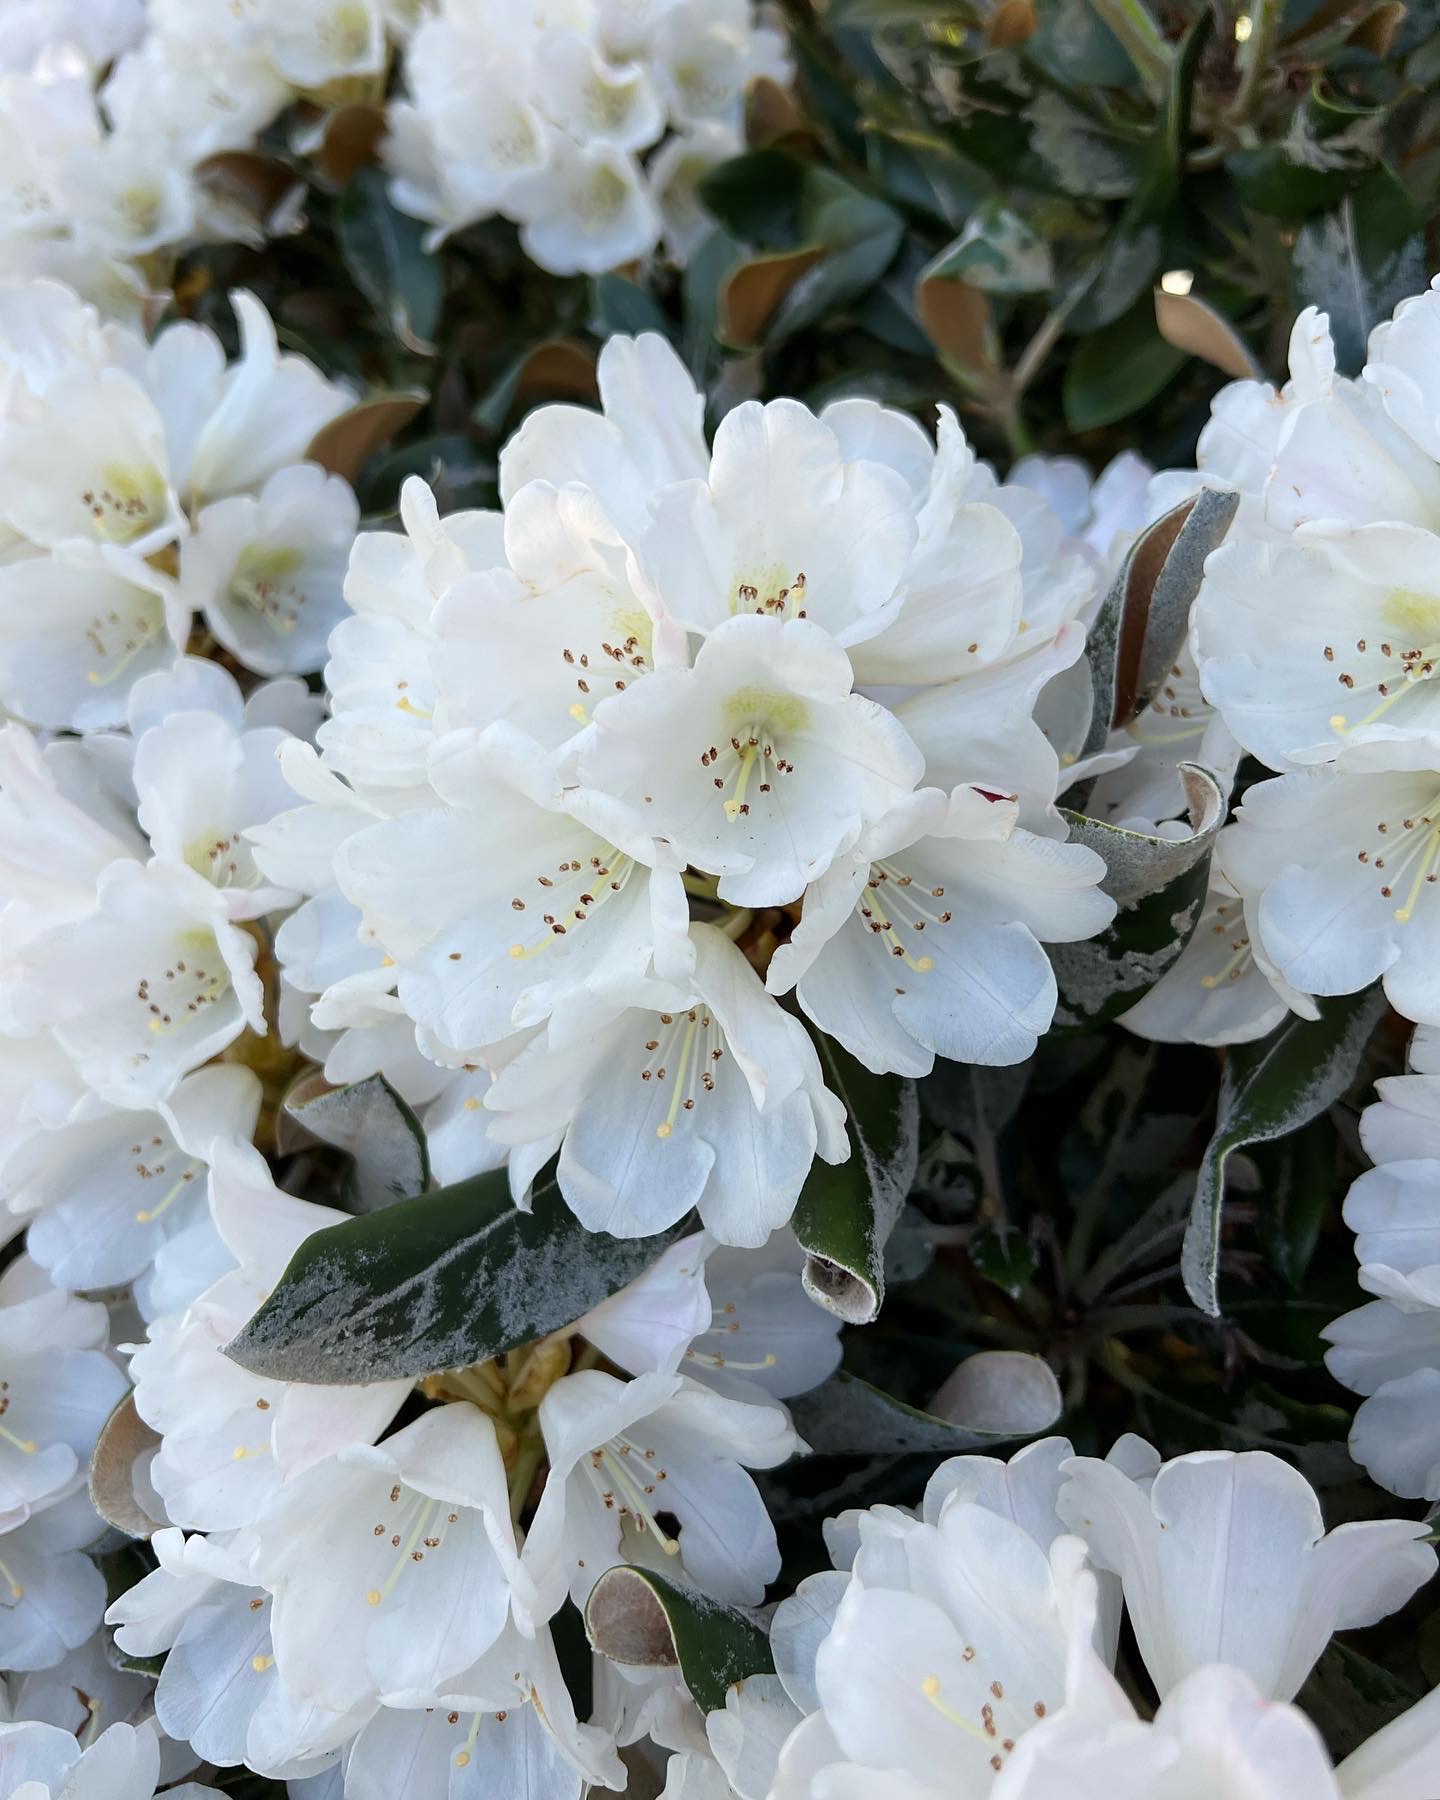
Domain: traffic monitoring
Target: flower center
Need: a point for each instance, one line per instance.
(893, 903)
(1229, 916)
(416, 1531)
(629, 654)
(1178, 714)
(155, 1170)
(1400, 669)
(116, 638)
(128, 502)
(626, 1477)
(775, 596)
(261, 584)
(753, 752)
(692, 1069)
(729, 1325)
(572, 896)
(988, 1728)
(194, 980)
(26, 1447)
(1406, 857)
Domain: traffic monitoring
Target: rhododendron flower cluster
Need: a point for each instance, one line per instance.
(498, 978)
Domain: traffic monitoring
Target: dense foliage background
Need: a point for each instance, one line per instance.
(1073, 220)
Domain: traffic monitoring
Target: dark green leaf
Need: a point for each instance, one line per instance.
(382, 250)
(369, 1121)
(436, 1282)
(846, 1212)
(1159, 884)
(845, 1416)
(1004, 1255)
(639, 1619)
(1300, 1179)
(1268, 1090)
(621, 305)
(1121, 368)
(1360, 261)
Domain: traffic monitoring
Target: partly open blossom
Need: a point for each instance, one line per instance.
(1389, 1349)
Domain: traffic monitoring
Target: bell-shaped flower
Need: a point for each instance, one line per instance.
(759, 762)
(506, 1725)
(79, 627)
(391, 1567)
(1339, 867)
(1221, 989)
(1354, 664)
(230, 1438)
(562, 624)
(925, 938)
(88, 460)
(221, 1690)
(951, 1642)
(1226, 1559)
(515, 897)
(787, 526)
(657, 1464)
(103, 1195)
(155, 982)
(267, 569)
(705, 1095)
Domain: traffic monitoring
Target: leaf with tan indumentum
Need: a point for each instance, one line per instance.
(346, 444)
(1190, 325)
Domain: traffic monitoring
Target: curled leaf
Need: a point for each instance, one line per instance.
(639, 1619)
(124, 1439)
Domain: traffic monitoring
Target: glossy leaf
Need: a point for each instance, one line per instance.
(1267, 1091)
(384, 253)
(436, 1282)
(643, 1621)
(847, 1211)
(845, 1416)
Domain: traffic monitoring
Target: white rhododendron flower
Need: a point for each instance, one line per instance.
(616, 764)
(544, 114)
(503, 966)
(111, 453)
(895, 1660)
(1389, 1349)
(1342, 496)
(123, 1763)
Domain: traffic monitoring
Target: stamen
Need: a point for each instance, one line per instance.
(148, 1215)
(410, 1552)
(930, 1688)
(462, 1756)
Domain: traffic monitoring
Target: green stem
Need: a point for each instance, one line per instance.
(1140, 36)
